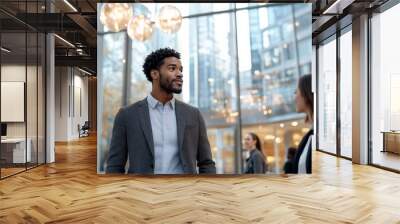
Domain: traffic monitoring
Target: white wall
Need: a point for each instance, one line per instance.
(16, 73)
(71, 93)
(61, 103)
(80, 89)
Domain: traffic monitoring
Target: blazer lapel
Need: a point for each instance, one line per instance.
(146, 125)
(180, 123)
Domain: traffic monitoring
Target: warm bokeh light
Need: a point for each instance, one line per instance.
(115, 16)
(140, 28)
(170, 19)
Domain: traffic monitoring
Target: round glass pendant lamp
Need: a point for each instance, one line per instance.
(169, 19)
(115, 16)
(140, 28)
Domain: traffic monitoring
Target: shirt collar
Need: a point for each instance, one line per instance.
(153, 102)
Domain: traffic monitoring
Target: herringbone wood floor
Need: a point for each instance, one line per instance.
(70, 191)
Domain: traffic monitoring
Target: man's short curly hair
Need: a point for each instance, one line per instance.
(156, 58)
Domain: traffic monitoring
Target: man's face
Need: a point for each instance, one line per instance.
(171, 75)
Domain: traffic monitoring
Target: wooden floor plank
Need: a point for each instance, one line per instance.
(70, 191)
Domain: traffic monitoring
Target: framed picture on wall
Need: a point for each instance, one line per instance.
(12, 101)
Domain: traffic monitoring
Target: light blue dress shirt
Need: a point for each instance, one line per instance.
(165, 137)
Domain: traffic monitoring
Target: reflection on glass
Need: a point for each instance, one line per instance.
(327, 97)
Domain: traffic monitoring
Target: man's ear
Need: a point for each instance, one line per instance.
(154, 74)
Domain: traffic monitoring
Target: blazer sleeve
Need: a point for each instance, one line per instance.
(204, 156)
(118, 152)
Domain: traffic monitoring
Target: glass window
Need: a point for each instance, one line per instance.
(263, 17)
(346, 94)
(271, 37)
(278, 14)
(289, 51)
(301, 7)
(303, 23)
(22, 92)
(272, 57)
(215, 82)
(385, 84)
(112, 70)
(267, 94)
(327, 96)
(305, 69)
(13, 83)
(304, 47)
(288, 31)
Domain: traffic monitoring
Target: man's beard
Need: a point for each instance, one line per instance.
(168, 86)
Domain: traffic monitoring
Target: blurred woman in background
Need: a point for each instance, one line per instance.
(256, 161)
(304, 99)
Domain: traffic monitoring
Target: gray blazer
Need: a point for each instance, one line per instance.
(256, 162)
(132, 137)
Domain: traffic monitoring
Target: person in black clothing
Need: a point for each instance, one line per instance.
(256, 161)
(304, 99)
(291, 153)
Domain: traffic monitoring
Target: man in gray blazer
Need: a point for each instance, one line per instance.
(160, 135)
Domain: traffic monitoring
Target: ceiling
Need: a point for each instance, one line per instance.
(75, 23)
(332, 15)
